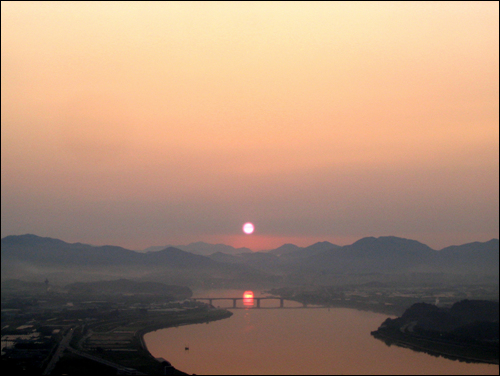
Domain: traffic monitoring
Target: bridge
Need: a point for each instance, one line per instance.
(250, 301)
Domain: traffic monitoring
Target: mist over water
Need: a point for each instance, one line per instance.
(294, 341)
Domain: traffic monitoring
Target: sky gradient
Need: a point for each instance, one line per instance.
(140, 124)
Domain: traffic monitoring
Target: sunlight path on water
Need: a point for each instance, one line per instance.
(295, 341)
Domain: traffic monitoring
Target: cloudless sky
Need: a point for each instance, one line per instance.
(154, 123)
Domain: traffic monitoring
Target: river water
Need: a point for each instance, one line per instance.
(294, 341)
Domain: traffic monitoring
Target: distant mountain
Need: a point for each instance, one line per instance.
(34, 256)
(284, 249)
(48, 251)
(473, 257)
(321, 246)
(224, 257)
(390, 254)
(53, 258)
(204, 249)
(156, 248)
(385, 254)
(176, 258)
(30, 241)
(307, 252)
(207, 249)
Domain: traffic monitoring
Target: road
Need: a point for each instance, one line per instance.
(59, 351)
(125, 370)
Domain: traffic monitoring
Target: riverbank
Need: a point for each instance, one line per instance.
(197, 318)
(205, 317)
(120, 342)
(446, 349)
(467, 331)
(267, 341)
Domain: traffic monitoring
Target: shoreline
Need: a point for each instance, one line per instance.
(423, 345)
(426, 346)
(139, 334)
(211, 315)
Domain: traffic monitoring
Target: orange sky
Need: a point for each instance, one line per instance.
(151, 123)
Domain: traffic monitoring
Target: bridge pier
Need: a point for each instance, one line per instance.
(251, 302)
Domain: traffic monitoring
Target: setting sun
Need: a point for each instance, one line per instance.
(248, 228)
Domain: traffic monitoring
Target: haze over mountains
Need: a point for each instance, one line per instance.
(33, 257)
(207, 249)
(202, 248)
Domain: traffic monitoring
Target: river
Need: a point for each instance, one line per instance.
(294, 341)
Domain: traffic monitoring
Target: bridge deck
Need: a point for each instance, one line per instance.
(256, 300)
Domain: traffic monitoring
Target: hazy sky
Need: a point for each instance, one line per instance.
(140, 124)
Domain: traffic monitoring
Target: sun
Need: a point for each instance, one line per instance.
(248, 228)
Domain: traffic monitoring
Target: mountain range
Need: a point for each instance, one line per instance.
(202, 248)
(35, 257)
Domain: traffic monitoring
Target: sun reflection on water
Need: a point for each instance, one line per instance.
(248, 298)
